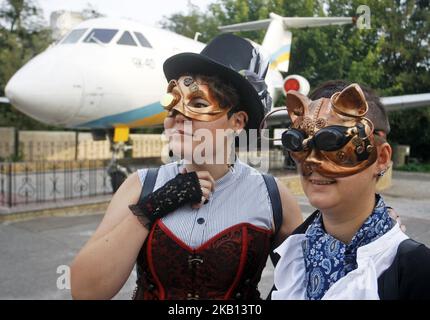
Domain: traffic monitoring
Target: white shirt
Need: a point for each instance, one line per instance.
(360, 284)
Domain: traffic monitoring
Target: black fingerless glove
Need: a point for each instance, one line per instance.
(183, 189)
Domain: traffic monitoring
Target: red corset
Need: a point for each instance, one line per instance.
(228, 266)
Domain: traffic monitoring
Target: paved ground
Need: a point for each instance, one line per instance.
(31, 252)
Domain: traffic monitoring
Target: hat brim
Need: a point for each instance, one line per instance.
(192, 63)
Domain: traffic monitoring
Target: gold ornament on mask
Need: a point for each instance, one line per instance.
(356, 141)
(341, 156)
(167, 100)
(320, 123)
(194, 87)
(188, 81)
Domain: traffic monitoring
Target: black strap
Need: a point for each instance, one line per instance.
(147, 188)
(275, 199)
(388, 282)
(149, 183)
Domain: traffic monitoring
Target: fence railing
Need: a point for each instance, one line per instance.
(40, 181)
(70, 146)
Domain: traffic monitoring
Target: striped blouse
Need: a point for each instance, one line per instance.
(240, 196)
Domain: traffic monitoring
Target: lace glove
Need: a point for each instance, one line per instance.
(183, 189)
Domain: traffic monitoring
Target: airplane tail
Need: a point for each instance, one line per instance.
(277, 45)
(277, 41)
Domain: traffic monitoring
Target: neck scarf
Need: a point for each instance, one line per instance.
(327, 259)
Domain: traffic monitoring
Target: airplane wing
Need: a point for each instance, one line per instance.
(4, 100)
(246, 26)
(391, 104)
(406, 101)
(299, 22)
(289, 22)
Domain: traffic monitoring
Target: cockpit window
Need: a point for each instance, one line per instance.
(127, 39)
(74, 36)
(100, 35)
(142, 40)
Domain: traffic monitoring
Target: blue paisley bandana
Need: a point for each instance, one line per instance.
(328, 259)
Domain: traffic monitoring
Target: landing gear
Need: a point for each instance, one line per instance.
(117, 172)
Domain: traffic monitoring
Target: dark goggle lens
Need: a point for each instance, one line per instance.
(292, 140)
(331, 139)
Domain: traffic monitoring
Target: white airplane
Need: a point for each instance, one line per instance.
(106, 74)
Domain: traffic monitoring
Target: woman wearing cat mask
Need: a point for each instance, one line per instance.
(350, 248)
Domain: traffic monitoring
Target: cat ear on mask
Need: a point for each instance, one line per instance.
(297, 104)
(350, 101)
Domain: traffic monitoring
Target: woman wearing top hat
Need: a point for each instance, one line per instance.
(204, 230)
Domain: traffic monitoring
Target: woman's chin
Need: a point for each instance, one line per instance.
(321, 200)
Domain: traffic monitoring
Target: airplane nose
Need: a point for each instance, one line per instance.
(48, 88)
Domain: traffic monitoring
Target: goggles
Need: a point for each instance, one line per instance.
(330, 138)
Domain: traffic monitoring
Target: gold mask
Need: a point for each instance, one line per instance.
(193, 99)
(330, 136)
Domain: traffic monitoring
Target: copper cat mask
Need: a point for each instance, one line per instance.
(330, 136)
(193, 99)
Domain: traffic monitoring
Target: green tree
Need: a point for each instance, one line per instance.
(192, 22)
(23, 34)
(20, 16)
(411, 127)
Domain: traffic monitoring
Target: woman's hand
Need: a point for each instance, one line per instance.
(183, 189)
(207, 184)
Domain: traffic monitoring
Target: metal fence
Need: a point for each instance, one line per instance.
(40, 181)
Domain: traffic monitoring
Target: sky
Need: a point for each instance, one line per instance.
(144, 11)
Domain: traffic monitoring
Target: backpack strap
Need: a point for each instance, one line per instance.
(275, 199)
(147, 188)
(148, 183)
(388, 282)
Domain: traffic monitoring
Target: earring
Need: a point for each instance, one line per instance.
(170, 153)
(381, 173)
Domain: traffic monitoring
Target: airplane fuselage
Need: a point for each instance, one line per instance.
(105, 73)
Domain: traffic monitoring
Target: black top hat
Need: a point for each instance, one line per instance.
(226, 56)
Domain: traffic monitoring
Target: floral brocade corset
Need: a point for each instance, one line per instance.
(227, 266)
(327, 259)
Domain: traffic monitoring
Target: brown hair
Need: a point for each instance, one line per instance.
(222, 91)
